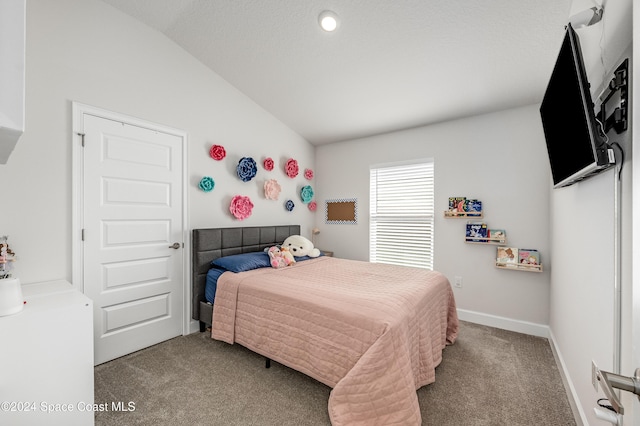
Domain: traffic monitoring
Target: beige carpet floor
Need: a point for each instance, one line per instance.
(488, 377)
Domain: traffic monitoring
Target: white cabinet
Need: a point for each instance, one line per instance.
(46, 358)
(12, 74)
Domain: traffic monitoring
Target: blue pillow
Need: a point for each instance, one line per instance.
(243, 262)
(212, 284)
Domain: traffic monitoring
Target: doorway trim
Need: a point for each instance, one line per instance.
(77, 220)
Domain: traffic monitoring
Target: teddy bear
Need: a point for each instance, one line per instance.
(280, 257)
(288, 257)
(300, 246)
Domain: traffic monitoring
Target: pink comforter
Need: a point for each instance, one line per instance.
(372, 332)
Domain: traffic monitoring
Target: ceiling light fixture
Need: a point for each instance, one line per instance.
(328, 21)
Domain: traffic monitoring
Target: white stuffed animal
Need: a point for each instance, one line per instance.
(300, 246)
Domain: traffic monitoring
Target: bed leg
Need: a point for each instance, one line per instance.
(267, 363)
(203, 326)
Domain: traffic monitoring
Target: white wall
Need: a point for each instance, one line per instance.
(86, 51)
(632, 302)
(498, 158)
(582, 244)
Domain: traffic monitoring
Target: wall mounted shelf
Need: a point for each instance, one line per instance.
(519, 267)
(489, 240)
(480, 233)
(449, 214)
(461, 207)
(518, 259)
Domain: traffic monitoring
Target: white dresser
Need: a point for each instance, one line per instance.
(46, 358)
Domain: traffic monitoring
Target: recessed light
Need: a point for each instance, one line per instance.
(328, 21)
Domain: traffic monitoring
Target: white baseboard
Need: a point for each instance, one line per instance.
(503, 323)
(194, 326)
(572, 396)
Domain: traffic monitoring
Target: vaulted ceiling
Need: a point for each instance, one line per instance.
(392, 64)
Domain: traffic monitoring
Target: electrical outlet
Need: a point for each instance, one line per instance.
(594, 375)
(457, 282)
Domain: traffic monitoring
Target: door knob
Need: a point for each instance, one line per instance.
(175, 246)
(612, 380)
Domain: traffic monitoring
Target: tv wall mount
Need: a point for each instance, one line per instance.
(615, 117)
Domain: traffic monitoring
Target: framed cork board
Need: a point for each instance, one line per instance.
(341, 211)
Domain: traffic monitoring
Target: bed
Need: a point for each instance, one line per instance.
(374, 333)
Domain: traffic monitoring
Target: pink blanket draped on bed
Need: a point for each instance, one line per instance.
(374, 333)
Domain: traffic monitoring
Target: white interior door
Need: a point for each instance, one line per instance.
(132, 246)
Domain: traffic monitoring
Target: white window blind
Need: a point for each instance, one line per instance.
(402, 214)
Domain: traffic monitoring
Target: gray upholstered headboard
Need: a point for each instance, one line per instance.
(212, 243)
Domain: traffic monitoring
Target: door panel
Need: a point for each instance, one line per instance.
(135, 313)
(132, 216)
(135, 272)
(119, 192)
(118, 233)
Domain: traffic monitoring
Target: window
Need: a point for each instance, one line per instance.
(402, 214)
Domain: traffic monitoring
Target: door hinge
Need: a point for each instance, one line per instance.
(82, 136)
(82, 234)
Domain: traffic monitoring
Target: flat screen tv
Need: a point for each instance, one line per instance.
(576, 147)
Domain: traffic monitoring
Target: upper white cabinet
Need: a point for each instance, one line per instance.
(12, 74)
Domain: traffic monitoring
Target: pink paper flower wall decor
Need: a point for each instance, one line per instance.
(217, 152)
(271, 189)
(308, 174)
(268, 164)
(312, 206)
(291, 168)
(241, 207)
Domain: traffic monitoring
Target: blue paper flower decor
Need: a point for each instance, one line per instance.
(246, 169)
(289, 205)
